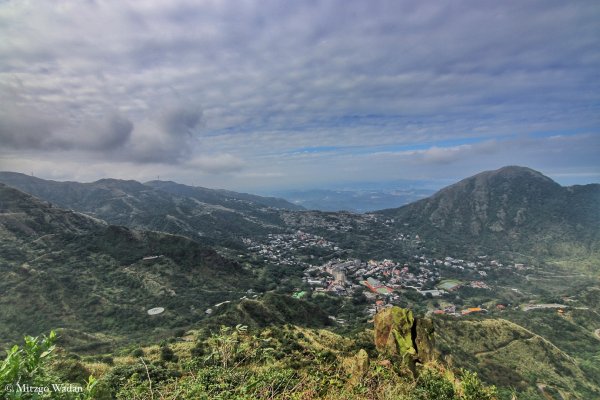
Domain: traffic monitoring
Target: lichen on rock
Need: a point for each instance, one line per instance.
(399, 336)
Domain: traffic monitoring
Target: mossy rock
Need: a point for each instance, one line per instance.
(393, 333)
(403, 338)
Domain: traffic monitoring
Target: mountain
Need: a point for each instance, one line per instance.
(222, 197)
(512, 208)
(353, 200)
(213, 216)
(63, 269)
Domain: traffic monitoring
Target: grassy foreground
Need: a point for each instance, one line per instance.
(286, 362)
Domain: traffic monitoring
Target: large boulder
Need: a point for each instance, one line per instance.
(399, 336)
(393, 332)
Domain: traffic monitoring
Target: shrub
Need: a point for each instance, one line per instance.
(473, 389)
(166, 354)
(137, 353)
(433, 385)
(179, 333)
(29, 365)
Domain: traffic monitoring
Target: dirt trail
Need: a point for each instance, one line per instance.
(597, 332)
(500, 346)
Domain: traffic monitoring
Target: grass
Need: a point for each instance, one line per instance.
(449, 284)
(512, 356)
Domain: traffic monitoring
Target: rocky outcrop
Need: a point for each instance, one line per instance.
(425, 341)
(399, 336)
(357, 367)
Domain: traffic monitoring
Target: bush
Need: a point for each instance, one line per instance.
(69, 370)
(137, 353)
(473, 389)
(433, 385)
(29, 365)
(107, 360)
(179, 333)
(166, 354)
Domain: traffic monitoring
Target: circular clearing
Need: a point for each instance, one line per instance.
(155, 311)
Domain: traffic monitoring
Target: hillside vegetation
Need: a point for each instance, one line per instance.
(215, 217)
(279, 362)
(62, 269)
(514, 357)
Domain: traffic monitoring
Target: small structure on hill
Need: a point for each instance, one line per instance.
(471, 310)
(155, 311)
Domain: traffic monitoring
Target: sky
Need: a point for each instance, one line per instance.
(272, 95)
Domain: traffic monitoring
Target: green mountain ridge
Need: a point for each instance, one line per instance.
(212, 216)
(511, 356)
(514, 209)
(222, 197)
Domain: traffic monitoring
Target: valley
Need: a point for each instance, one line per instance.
(511, 286)
(300, 200)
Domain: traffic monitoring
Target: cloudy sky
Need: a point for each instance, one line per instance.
(265, 95)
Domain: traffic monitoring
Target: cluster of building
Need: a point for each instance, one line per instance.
(380, 281)
(283, 248)
(338, 222)
(380, 277)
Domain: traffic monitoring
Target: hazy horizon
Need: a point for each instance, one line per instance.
(267, 96)
(430, 186)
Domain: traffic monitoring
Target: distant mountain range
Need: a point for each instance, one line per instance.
(354, 200)
(510, 209)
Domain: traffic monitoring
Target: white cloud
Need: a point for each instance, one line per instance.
(232, 87)
(218, 163)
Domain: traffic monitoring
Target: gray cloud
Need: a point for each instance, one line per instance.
(28, 128)
(273, 78)
(110, 133)
(184, 120)
(20, 131)
(168, 135)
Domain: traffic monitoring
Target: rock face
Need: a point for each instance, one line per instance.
(358, 367)
(393, 328)
(425, 341)
(401, 337)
